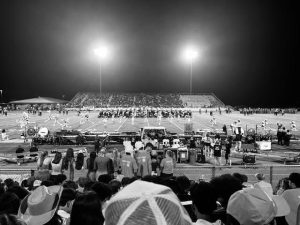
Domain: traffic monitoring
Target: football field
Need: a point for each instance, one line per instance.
(72, 121)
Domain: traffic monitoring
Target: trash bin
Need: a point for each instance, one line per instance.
(192, 154)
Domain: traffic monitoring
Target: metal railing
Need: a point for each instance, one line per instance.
(273, 173)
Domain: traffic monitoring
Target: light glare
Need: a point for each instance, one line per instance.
(190, 54)
(101, 52)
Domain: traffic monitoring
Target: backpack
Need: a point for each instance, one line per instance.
(79, 161)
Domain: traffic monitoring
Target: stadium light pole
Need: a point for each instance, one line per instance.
(190, 55)
(102, 54)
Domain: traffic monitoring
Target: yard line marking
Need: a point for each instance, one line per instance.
(176, 125)
(94, 124)
(122, 124)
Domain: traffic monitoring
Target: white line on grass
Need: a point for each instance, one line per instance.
(93, 125)
(176, 125)
(122, 124)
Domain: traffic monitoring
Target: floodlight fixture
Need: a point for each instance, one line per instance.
(190, 54)
(102, 54)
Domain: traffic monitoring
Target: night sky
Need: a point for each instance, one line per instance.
(249, 49)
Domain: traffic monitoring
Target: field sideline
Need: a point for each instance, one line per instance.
(199, 121)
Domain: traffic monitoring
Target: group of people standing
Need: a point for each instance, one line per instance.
(283, 135)
(126, 163)
(213, 148)
(50, 168)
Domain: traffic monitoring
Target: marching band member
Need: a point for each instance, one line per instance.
(293, 126)
(206, 140)
(64, 124)
(213, 122)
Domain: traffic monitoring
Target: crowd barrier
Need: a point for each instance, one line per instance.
(273, 173)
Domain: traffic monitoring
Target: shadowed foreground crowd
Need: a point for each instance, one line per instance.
(228, 199)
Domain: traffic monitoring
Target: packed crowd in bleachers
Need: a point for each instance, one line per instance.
(144, 113)
(143, 100)
(125, 100)
(138, 190)
(275, 111)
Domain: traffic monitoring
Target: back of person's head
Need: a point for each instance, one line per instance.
(9, 219)
(204, 197)
(86, 210)
(79, 161)
(105, 178)
(241, 177)
(125, 181)
(169, 153)
(260, 176)
(153, 179)
(184, 183)
(103, 191)
(2, 189)
(92, 158)
(70, 184)
(24, 183)
(47, 183)
(115, 186)
(19, 191)
(225, 185)
(173, 185)
(60, 178)
(93, 155)
(295, 179)
(88, 186)
(67, 195)
(57, 158)
(9, 203)
(82, 181)
(9, 182)
(70, 153)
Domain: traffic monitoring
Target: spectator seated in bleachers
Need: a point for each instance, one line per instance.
(252, 206)
(292, 196)
(157, 203)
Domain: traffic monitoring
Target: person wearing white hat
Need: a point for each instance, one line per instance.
(252, 206)
(292, 196)
(145, 203)
(41, 205)
(263, 185)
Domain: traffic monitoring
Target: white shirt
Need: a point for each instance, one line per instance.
(292, 197)
(56, 168)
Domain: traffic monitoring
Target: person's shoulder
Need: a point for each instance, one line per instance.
(291, 192)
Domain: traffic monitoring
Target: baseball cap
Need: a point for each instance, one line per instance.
(252, 206)
(144, 202)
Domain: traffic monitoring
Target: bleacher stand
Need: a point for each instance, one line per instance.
(128, 100)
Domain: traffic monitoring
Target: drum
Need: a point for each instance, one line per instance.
(43, 132)
(31, 131)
